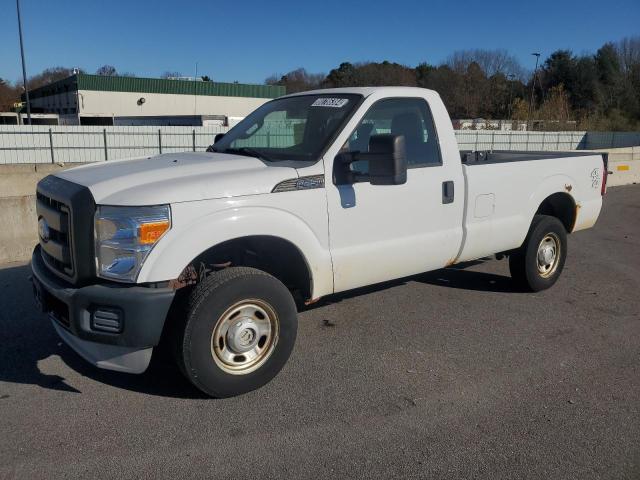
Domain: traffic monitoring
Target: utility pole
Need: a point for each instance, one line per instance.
(533, 84)
(510, 78)
(24, 69)
(195, 93)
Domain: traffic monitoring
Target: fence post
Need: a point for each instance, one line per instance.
(476, 147)
(527, 147)
(104, 138)
(53, 160)
(193, 133)
(613, 140)
(544, 137)
(557, 141)
(493, 140)
(160, 141)
(510, 137)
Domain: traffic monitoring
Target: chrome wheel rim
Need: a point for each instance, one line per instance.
(548, 255)
(245, 336)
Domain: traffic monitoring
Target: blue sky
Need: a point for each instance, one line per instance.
(247, 41)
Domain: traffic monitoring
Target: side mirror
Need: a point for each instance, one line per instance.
(386, 159)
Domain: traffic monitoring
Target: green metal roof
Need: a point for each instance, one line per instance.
(157, 85)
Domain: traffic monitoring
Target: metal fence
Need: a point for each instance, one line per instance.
(544, 141)
(67, 144)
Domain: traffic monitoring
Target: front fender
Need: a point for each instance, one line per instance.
(192, 234)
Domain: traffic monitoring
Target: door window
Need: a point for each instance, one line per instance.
(409, 117)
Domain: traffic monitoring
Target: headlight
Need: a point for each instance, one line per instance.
(124, 237)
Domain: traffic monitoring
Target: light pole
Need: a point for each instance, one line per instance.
(533, 84)
(24, 69)
(510, 78)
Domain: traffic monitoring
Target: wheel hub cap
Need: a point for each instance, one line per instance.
(245, 336)
(548, 255)
(242, 336)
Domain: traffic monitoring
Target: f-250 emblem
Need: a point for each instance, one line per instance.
(595, 177)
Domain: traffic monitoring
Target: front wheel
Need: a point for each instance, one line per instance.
(538, 263)
(239, 331)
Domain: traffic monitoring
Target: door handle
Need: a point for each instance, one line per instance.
(448, 192)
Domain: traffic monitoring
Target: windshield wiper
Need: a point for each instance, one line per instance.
(248, 151)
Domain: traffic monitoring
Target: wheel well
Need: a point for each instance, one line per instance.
(274, 255)
(562, 206)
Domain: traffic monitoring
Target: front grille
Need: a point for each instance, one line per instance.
(68, 209)
(56, 248)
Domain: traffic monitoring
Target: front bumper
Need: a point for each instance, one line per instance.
(142, 312)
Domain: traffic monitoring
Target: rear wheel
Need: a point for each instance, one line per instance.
(538, 263)
(240, 328)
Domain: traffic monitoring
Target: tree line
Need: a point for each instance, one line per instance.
(599, 91)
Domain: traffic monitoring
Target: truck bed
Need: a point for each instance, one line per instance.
(484, 157)
(504, 190)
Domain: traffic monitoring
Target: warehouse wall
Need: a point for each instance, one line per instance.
(156, 104)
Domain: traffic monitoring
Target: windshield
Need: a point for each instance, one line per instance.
(290, 128)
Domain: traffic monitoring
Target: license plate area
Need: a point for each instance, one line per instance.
(55, 308)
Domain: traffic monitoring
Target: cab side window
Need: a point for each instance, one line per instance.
(409, 117)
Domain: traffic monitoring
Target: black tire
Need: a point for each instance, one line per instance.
(523, 263)
(207, 306)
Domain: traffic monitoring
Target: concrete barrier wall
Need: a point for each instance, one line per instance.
(19, 232)
(624, 163)
(18, 218)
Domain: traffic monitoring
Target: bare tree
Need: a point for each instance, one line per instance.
(107, 71)
(297, 80)
(49, 75)
(9, 94)
(629, 52)
(169, 74)
(491, 62)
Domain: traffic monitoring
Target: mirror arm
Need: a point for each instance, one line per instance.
(346, 159)
(358, 177)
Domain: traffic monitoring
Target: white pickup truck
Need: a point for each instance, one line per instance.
(312, 194)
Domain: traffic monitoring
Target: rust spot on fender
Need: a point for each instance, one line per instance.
(568, 187)
(575, 217)
(311, 301)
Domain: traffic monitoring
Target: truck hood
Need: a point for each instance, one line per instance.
(177, 177)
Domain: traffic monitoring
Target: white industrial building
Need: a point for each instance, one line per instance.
(102, 100)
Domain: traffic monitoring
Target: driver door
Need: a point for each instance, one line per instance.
(378, 233)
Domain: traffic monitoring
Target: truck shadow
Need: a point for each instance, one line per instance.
(30, 346)
(455, 276)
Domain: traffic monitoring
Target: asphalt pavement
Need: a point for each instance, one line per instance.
(450, 374)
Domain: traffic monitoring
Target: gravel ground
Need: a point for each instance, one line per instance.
(448, 374)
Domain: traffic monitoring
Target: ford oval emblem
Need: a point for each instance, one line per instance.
(43, 230)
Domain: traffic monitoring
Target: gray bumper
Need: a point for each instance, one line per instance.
(109, 357)
(143, 312)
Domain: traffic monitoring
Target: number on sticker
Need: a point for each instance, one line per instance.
(330, 102)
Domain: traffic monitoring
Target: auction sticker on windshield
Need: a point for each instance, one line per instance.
(330, 102)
